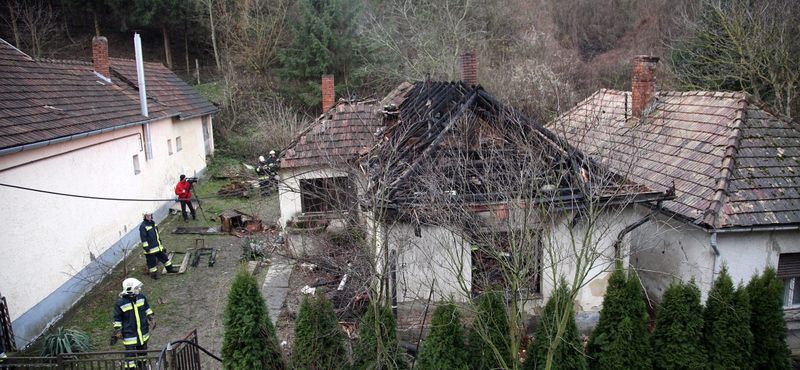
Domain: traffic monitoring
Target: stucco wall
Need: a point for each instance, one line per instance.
(437, 257)
(667, 249)
(48, 239)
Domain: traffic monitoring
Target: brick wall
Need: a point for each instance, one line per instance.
(328, 93)
(643, 86)
(100, 56)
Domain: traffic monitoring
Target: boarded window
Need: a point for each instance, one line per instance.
(332, 194)
(498, 258)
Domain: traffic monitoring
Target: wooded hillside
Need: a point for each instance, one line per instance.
(541, 56)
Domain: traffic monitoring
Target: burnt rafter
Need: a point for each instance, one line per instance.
(450, 141)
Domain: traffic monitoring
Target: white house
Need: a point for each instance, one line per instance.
(733, 164)
(78, 163)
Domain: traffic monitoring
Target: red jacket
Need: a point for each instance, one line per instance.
(184, 190)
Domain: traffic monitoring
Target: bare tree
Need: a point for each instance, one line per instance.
(748, 46)
(35, 25)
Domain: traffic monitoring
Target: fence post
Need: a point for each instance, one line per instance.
(170, 357)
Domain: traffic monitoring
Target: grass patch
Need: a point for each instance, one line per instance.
(213, 91)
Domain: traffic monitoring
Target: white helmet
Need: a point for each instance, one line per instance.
(271, 152)
(146, 212)
(131, 286)
(261, 158)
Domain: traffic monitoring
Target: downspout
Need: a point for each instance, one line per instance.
(717, 255)
(137, 45)
(633, 226)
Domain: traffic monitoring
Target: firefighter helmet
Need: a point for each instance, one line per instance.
(131, 286)
(271, 152)
(146, 212)
(261, 158)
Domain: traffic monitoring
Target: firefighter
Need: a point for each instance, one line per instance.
(132, 319)
(151, 243)
(2, 354)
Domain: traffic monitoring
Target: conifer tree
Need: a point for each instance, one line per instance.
(678, 337)
(444, 347)
(727, 335)
(378, 347)
(325, 42)
(318, 338)
(770, 350)
(568, 354)
(250, 341)
(489, 336)
(620, 339)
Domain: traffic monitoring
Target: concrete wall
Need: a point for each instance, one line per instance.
(51, 243)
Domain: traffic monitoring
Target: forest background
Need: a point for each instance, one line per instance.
(261, 61)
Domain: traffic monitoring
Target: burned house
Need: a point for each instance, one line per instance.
(460, 194)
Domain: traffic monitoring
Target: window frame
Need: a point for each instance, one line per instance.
(178, 144)
(324, 195)
(136, 168)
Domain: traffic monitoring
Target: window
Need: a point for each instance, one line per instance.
(326, 194)
(178, 144)
(789, 272)
(136, 164)
(496, 256)
(169, 146)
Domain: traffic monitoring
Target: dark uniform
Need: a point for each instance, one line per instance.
(263, 177)
(153, 250)
(131, 314)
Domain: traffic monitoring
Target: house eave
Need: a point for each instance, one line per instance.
(39, 144)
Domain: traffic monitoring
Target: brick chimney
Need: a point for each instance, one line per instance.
(328, 93)
(643, 86)
(469, 69)
(100, 56)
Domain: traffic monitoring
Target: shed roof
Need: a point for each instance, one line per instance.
(733, 163)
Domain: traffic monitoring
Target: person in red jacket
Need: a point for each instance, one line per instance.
(184, 192)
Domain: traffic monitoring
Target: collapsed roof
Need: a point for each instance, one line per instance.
(451, 141)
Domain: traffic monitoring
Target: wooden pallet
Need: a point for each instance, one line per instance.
(184, 263)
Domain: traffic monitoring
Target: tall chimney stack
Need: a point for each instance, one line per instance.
(328, 93)
(469, 69)
(643, 87)
(100, 56)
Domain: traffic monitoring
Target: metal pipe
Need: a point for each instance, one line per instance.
(717, 255)
(137, 45)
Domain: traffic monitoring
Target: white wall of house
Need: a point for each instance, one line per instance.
(436, 258)
(665, 249)
(595, 240)
(50, 241)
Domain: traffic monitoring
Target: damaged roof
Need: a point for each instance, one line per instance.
(456, 141)
(43, 100)
(733, 162)
(341, 134)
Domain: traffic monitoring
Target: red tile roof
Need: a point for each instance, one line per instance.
(42, 100)
(733, 163)
(342, 133)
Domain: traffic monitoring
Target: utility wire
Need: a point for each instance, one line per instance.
(117, 199)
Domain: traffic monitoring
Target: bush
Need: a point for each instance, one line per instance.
(677, 340)
(318, 338)
(620, 339)
(444, 348)
(250, 341)
(490, 336)
(770, 350)
(65, 341)
(727, 325)
(568, 355)
(378, 347)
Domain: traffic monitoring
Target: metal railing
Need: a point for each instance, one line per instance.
(182, 356)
